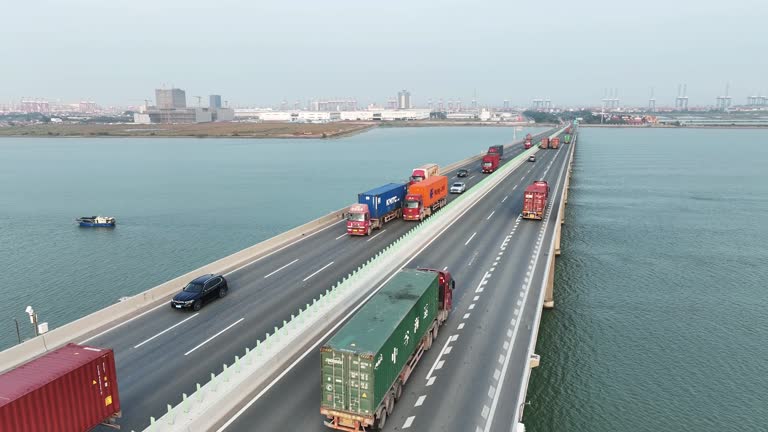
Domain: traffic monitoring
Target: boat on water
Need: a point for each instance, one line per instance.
(96, 221)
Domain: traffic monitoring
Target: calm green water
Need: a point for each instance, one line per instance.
(180, 204)
(661, 319)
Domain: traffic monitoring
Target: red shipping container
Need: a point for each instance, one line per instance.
(535, 200)
(71, 389)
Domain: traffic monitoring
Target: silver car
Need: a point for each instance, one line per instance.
(458, 187)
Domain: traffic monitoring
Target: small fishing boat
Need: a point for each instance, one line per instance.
(96, 221)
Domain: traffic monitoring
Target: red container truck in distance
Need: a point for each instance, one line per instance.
(490, 163)
(528, 142)
(555, 143)
(424, 172)
(535, 200)
(425, 198)
(71, 389)
(544, 143)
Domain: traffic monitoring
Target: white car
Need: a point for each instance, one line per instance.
(458, 187)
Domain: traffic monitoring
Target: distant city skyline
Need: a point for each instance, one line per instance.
(261, 53)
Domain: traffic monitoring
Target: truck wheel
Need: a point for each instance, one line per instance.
(390, 402)
(434, 332)
(369, 231)
(398, 390)
(382, 420)
(428, 342)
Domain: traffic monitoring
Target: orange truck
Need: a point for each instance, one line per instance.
(555, 143)
(425, 197)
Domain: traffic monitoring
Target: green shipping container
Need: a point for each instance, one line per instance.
(362, 360)
(567, 138)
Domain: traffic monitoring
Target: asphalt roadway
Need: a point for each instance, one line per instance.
(471, 379)
(162, 353)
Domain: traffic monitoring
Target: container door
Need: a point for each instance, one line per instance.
(334, 388)
(354, 387)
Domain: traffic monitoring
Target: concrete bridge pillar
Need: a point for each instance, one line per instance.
(549, 294)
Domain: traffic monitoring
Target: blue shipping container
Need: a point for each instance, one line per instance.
(383, 199)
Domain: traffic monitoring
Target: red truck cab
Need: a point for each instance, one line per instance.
(535, 200)
(359, 220)
(528, 144)
(490, 162)
(446, 285)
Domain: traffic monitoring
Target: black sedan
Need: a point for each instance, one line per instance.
(200, 291)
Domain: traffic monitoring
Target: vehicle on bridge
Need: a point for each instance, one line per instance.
(489, 163)
(544, 143)
(528, 142)
(535, 200)
(458, 187)
(424, 172)
(497, 149)
(425, 198)
(200, 291)
(71, 389)
(555, 143)
(375, 208)
(567, 138)
(462, 172)
(532, 158)
(365, 365)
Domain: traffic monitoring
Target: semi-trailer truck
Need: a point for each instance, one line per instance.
(70, 389)
(567, 139)
(365, 365)
(425, 198)
(544, 143)
(535, 200)
(375, 208)
(555, 143)
(489, 163)
(497, 149)
(527, 144)
(424, 172)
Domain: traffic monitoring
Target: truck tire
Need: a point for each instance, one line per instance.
(390, 402)
(398, 390)
(381, 420)
(369, 231)
(428, 341)
(434, 332)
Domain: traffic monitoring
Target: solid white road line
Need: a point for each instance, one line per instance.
(323, 268)
(214, 336)
(470, 238)
(163, 304)
(292, 262)
(380, 232)
(167, 330)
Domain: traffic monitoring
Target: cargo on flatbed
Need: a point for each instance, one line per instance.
(366, 363)
(71, 389)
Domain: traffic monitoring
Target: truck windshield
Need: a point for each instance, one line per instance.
(486, 164)
(417, 178)
(411, 204)
(357, 217)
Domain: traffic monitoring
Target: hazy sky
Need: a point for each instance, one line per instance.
(258, 52)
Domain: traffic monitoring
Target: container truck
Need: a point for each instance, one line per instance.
(528, 144)
(497, 149)
(490, 163)
(535, 200)
(375, 208)
(555, 143)
(425, 198)
(567, 139)
(71, 389)
(568, 130)
(544, 143)
(365, 365)
(424, 172)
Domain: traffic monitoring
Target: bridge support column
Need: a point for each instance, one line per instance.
(549, 294)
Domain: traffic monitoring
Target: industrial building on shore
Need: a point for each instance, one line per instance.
(300, 116)
(171, 107)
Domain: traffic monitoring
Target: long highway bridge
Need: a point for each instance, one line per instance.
(474, 378)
